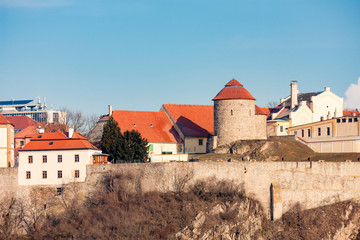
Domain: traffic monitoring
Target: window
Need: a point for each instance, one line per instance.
(319, 131)
(344, 120)
(151, 147)
(338, 120)
(77, 173)
(44, 159)
(21, 143)
(76, 158)
(302, 133)
(44, 174)
(30, 159)
(309, 133)
(59, 174)
(58, 191)
(281, 128)
(328, 131)
(355, 119)
(200, 142)
(59, 158)
(295, 133)
(28, 174)
(231, 112)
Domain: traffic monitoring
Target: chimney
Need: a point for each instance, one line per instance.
(71, 131)
(294, 94)
(110, 110)
(40, 130)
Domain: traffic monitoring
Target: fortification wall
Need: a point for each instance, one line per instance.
(236, 120)
(310, 184)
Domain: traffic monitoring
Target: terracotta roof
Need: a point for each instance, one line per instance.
(30, 131)
(21, 122)
(154, 126)
(350, 113)
(3, 120)
(57, 141)
(261, 110)
(193, 120)
(233, 90)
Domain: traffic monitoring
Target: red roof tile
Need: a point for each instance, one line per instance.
(193, 120)
(350, 113)
(234, 82)
(154, 126)
(233, 90)
(21, 122)
(57, 141)
(3, 120)
(261, 111)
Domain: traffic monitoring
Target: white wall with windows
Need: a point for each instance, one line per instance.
(54, 167)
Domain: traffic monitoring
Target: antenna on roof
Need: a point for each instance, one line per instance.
(44, 103)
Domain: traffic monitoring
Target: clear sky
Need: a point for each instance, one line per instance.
(138, 55)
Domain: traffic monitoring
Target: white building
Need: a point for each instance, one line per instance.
(6, 143)
(55, 159)
(302, 108)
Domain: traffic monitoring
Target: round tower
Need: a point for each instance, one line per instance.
(235, 116)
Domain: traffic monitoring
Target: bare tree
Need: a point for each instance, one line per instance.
(81, 123)
(10, 218)
(272, 104)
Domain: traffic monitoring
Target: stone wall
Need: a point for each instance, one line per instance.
(310, 184)
(236, 120)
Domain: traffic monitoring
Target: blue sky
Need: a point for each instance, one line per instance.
(138, 55)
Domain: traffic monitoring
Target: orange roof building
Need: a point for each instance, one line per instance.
(157, 129)
(55, 158)
(236, 117)
(6, 142)
(194, 124)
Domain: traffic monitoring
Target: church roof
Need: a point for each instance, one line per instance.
(233, 90)
(193, 120)
(154, 126)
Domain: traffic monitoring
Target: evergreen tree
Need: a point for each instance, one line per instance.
(111, 140)
(128, 146)
(135, 147)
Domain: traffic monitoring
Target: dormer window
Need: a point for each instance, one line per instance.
(151, 125)
(134, 124)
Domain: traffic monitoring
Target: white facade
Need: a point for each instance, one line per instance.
(52, 166)
(6, 145)
(166, 152)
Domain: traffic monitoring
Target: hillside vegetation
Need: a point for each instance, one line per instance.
(210, 209)
(273, 150)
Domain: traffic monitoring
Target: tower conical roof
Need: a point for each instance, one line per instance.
(233, 90)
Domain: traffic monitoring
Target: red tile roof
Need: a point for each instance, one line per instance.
(193, 120)
(57, 141)
(261, 111)
(21, 122)
(350, 113)
(154, 126)
(48, 127)
(3, 120)
(233, 90)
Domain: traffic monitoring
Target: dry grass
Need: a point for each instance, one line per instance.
(277, 150)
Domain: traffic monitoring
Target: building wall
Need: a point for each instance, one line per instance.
(326, 103)
(274, 128)
(301, 116)
(236, 120)
(192, 145)
(52, 166)
(6, 145)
